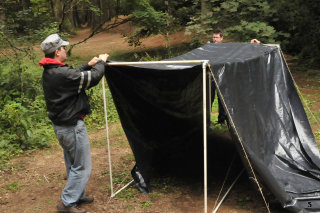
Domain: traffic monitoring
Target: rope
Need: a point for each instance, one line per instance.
(236, 132)
(299, 92)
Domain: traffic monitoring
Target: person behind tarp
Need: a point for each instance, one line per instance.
(67, 105)
(217, 37)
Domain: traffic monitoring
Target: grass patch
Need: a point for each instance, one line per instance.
(130, 208)
(118, 132)
(317, 135)
(37, 208)
(128, 193)
(155, 195)
(121, 177)
(129, 158)
(164, 184)
(104, 172)
(13, 187)
(243, 201)
(214, 118)
(146, 204)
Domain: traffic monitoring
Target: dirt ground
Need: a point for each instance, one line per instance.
(34, 181)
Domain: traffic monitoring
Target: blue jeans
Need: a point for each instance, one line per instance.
(77, 156)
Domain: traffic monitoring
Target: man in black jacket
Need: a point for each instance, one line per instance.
(67, 105)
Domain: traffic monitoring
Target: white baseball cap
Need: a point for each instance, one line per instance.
(52, 43)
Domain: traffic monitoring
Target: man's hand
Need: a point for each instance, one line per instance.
(103, 57)
(93, 61)
(255, 41)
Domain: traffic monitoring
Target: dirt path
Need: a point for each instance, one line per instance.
(114, 41)
(34, 181)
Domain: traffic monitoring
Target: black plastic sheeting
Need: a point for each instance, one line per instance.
(160, 108)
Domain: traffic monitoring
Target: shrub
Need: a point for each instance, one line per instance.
(23, 119)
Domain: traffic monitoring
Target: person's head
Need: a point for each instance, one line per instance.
(217, 36)
(54, 47)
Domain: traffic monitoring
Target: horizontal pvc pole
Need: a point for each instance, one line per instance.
(307, 198)
(158, 62)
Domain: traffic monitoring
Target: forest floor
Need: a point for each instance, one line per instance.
(33, 181)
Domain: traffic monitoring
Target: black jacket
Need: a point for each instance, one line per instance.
(64, 90)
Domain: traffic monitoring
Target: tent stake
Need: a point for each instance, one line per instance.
(222, 199)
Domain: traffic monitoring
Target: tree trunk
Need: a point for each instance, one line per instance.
(75, 15)
(118, 7)
(58, 9)
(204, 10)
(52, 8)
(2, 15)
(94, 18)
(26, 4)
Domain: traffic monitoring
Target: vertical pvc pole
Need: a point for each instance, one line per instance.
(204, 65)
(107, 132)
(209, 92)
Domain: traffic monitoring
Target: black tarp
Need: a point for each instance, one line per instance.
(160, 108)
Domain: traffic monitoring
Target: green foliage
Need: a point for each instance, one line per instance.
(127, 194)
(301, 21)
(155, 195)
(24, 124)
(97, 119)
(23, 119)
(13, 186)
(23, 22)
(240, 21)
(92, 7)
(147, 20)
(317, 135)
(293, 24)
(248, 30)
(158, 17)
(146, 57)
(146, 204)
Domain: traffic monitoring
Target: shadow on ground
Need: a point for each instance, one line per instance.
(223, 166)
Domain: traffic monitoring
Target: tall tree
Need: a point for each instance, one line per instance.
(301, 20)
(240, 20)
(26, 4)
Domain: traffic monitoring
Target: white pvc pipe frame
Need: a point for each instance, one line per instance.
(204, 65)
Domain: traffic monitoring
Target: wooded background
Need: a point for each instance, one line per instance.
(295, 24)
